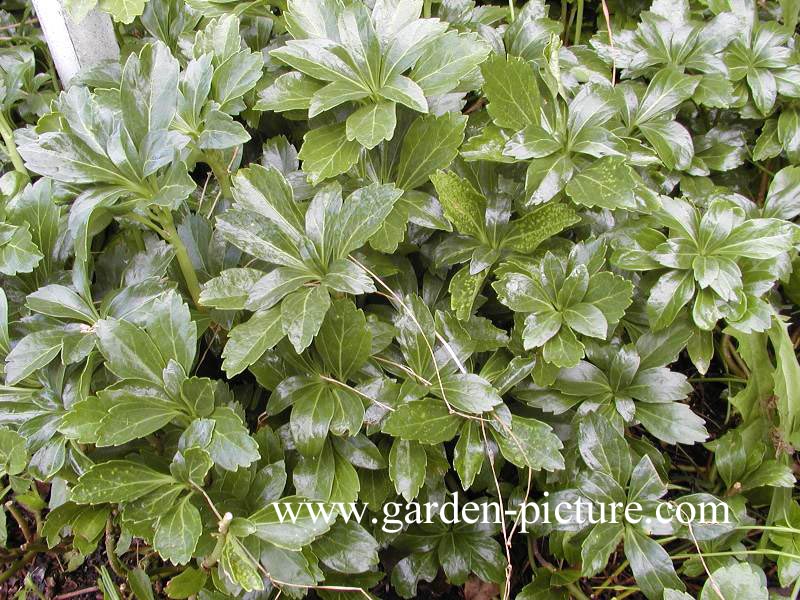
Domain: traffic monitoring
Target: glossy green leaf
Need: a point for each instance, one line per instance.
(462, 204)
(177, 532)
(117, 481)
(650, 564)
(407, 463)
(249, 340)
(428, 421)
(327, 152)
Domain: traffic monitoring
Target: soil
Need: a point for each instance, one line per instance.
(48, 575)
(47, 572)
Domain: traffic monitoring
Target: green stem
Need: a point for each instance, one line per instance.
(607, 583)
(184, 262)
(578, 23)
(220, 170)
(777, 528)
(17, 565)
(717, 380)
(147, 223)
(576, 592)
(780, 498)
(426, 9)
(37, 518)
(11, 147)
(511, 13)
(222, 527)
(111, 551)
(568, 25)
(761, 552)
(21, 522)
(761, 168)
(210, 561)
(51, 69)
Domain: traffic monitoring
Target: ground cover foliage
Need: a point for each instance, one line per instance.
(391, 250)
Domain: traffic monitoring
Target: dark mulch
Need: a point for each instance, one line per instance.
(49, 576)
(47, 571)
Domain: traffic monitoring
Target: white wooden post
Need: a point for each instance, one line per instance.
(75, 45)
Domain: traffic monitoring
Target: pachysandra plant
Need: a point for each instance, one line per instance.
(557, 136)
(668, 37)
(487, 233)
(310, 253)
(627, 383)
(718, 263)
(564, 296)
(375, 59)
(401, 254)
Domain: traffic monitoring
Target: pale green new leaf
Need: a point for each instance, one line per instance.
(326, 152)
(372, 124)
(513, 92)
(123, 11)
